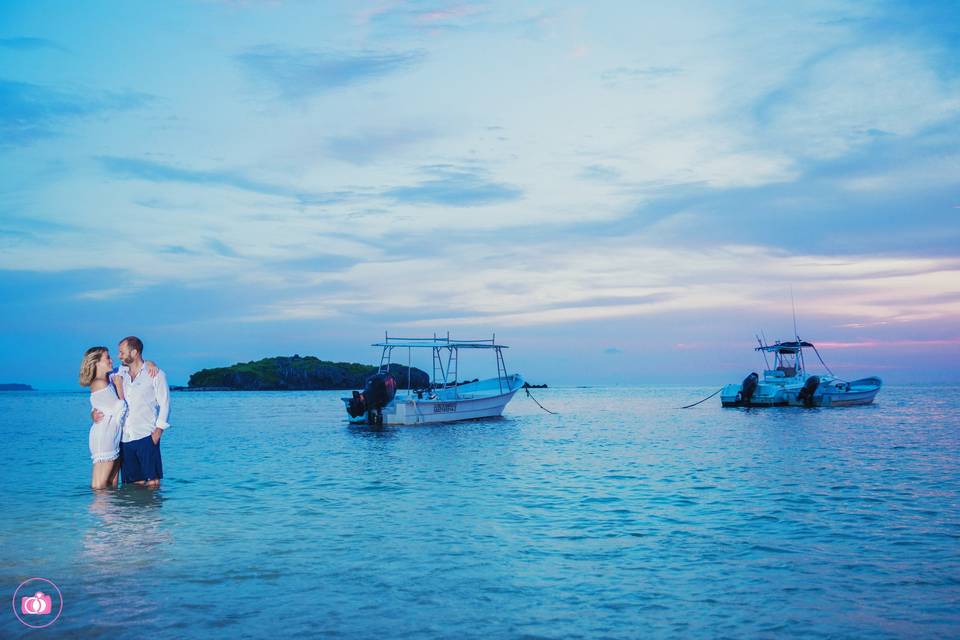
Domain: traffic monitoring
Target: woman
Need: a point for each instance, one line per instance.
(106, 394)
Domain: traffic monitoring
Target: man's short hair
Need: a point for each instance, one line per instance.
(133, 342)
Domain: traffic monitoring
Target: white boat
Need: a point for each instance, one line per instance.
(442, 400)
(789, 384)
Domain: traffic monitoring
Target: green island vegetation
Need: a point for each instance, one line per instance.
(296, 373)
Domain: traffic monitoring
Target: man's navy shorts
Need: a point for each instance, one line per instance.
(140, 460)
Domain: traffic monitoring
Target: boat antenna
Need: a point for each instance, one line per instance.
(796, 334)
(794, 304)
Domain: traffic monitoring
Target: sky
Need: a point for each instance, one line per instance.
(623, 192)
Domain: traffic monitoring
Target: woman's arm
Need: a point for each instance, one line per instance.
(118, 385)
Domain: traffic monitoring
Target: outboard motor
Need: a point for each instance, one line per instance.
(377, 393)
(748, 388)
(805, 394)
(356, 407)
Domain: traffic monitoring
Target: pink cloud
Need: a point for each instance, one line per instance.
(869, 344)
(365, 16)
(444, 15)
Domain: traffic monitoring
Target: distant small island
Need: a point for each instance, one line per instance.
(296, 373)
(15, 386)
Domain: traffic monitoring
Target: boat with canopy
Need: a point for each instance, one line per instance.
(787, 382)
(442, 398)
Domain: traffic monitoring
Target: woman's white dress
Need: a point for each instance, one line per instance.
(105, 435)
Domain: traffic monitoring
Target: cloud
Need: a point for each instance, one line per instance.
(847, 96)
(300, 74)
(133, 168)
(571, 281)
(853, 204)
(366, 147)
(621, 74)
(106, 294)
(221, 248)
(873, 344)
(455, 187)
(399, 17)
(600, 173)
(29, 44)
(318, 263)
(407, 19)
(611, 351)
(448, 16)
(29, 112)
(176, 250)
(12, 225)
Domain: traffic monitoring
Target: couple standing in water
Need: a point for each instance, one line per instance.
(130, 409)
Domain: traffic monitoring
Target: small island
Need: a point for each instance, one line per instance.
(296, 373)
(15, 386)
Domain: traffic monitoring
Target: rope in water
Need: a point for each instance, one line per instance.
(704, 400)
(530, 395)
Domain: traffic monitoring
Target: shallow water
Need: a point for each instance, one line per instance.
(621, 517)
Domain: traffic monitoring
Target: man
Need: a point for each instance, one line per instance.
(148, 402)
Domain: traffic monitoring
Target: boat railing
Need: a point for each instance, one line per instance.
(448, 370)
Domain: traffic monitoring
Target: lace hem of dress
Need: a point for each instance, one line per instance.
(105, 457)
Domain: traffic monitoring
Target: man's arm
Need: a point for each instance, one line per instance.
(162, 391)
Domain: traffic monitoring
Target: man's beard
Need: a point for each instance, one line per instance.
(127, 361)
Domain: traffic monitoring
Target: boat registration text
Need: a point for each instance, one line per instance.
(445, 407)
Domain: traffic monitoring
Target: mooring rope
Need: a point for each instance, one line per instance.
(704, 400)
(530, 395)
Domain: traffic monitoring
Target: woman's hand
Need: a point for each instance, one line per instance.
(152, 368)
(96, 415)
(118, 385)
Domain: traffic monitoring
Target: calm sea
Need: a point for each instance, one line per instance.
(622, 517)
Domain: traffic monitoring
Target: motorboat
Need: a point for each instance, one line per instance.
(442, 398)
(788, 383)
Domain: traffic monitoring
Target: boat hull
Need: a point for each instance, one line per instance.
(831, 393)
(483, 399)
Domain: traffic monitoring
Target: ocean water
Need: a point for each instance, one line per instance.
(621, 517)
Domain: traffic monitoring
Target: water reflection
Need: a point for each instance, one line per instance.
(371, 430)
(125, 543)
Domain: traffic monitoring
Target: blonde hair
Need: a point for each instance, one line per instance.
(88, 367)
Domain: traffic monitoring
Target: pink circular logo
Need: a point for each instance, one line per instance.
(34, 600)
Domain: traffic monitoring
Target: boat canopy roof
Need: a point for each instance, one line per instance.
(442, 343)
(785, 347)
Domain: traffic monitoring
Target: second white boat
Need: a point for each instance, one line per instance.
(442, 400)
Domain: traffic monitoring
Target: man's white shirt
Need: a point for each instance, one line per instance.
(148, 403)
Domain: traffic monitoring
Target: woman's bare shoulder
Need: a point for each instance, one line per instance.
(97, 384)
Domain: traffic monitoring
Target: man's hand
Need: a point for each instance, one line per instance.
(156, 435)
(96, 415)
(152, 368)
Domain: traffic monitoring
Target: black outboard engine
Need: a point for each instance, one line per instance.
(748, 388)
(377, 393)
(806, 393)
